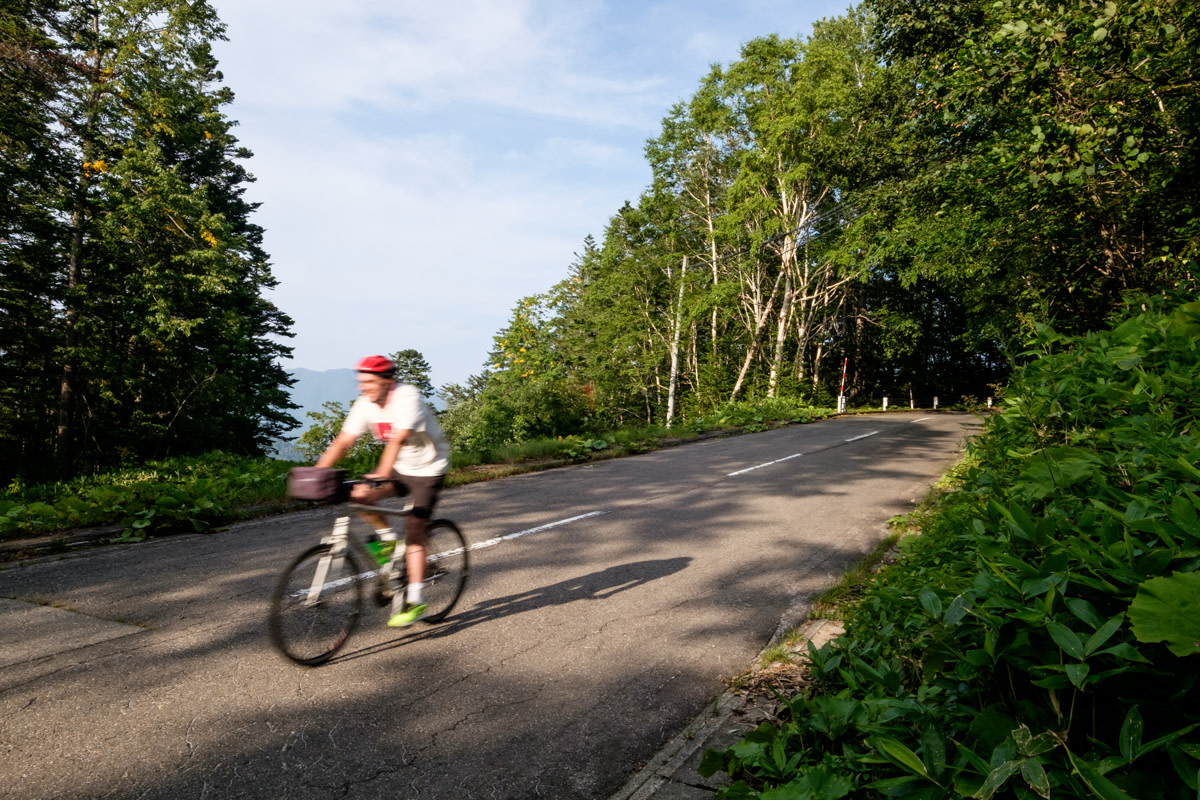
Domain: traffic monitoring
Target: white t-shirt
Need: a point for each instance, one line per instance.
(425, 451)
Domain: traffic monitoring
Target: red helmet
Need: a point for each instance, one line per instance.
(377, 365)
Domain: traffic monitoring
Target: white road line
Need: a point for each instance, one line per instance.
(922, 419)
(760, 466)
(865, 435)
(519, 534)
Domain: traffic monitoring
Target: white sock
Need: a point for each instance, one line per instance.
(416, 594)
(386, 534)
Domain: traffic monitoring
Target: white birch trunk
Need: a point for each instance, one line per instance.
(673, 381)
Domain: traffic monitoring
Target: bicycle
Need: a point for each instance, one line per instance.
(318, 599)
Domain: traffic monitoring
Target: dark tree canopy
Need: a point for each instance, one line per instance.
(133, 309)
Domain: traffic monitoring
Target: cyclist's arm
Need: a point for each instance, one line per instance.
(337, 448)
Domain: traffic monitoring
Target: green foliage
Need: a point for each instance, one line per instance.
(1016, 649)
(188, 493)
(507, 408)
(577, 447)
(1167, 609)
(327, 423)
(758, 415)
(413, 369)
(1038, 156)
(139, 323)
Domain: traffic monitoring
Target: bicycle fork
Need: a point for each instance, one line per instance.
(337, 540)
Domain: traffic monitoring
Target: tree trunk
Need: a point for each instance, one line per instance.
(781, 335)
(758, 328)
(65, 451)
(673, 381)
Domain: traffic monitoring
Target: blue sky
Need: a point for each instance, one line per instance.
(423, 166)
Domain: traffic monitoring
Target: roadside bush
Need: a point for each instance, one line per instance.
(758, 414)
(1035, 640)
(192, 492)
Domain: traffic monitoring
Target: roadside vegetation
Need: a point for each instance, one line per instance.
(196, 493)
(1035, 639)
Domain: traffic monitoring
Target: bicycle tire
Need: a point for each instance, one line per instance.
(310, 633)
(446, 568)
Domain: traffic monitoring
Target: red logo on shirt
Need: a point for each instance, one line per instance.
(382, 429)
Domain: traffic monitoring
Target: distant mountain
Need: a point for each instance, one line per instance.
(313, 388)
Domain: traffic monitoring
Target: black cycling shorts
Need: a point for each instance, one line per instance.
(424, 491)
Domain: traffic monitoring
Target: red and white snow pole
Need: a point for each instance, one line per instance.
(842, 389)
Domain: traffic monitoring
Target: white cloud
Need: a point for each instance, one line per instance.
(422, 57)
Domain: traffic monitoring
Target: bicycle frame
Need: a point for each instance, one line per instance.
(342, 540)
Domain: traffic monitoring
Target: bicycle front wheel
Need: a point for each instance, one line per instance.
(446, 568)
(316, 605)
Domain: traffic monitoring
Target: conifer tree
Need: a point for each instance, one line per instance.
(162, 339)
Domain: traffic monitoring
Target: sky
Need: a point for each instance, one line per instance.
(423, 166)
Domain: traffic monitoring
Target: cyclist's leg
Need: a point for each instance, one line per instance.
(424, 491)
(369, 495)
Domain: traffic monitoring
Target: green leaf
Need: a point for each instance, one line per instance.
(1130, 740)
(1097, 639)
(1100, 786)
(1067, 639)
(1167, 739)
(900, 754)
(1167, 609)
(1125, 651)
(1035, 775)
(816, 784)
(1029, 745)
(931, 602)
(893, 786)
(996, 779)
(712, 762)
(1077, 673)
(956, 611)
(1085, 611)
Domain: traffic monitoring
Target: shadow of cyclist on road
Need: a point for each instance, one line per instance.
(595, 586)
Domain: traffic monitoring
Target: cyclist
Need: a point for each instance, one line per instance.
(415, 460)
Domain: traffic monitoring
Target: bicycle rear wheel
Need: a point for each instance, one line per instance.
(309, 622)
(446, 568)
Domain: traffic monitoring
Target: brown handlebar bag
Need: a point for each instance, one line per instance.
(321, 484)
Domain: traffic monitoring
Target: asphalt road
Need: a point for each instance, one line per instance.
(577, 651)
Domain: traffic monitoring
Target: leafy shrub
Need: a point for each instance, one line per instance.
(324, 429)
(192, 492)
(757, 415)
(1034, 641)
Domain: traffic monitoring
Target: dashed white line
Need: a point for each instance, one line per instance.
(506, 537)
(865, 435)
(760, 466)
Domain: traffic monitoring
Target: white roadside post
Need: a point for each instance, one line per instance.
(842, 388)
